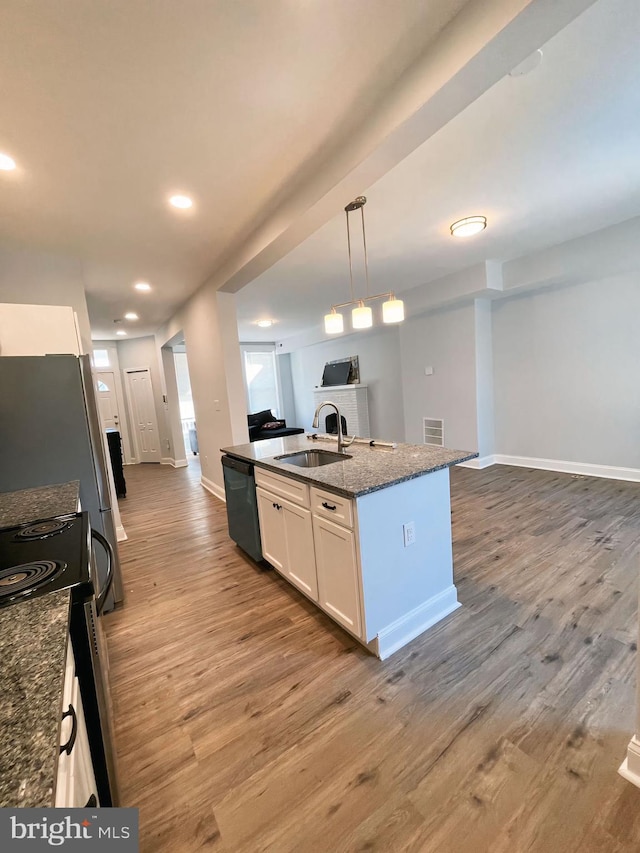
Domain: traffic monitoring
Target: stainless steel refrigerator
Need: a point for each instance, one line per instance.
(50, 432)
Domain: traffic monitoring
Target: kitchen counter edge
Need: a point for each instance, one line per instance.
(369, 470)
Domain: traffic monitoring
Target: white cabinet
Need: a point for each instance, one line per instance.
(350, 556)
(287, 540)
(272, 535)
(314, 549)
(75, 779)
(338, 577)
(38, 330)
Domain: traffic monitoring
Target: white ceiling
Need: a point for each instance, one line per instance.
(546, 157)
(110, 107)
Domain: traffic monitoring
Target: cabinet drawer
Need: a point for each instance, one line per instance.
(336, 508)
(283, 486)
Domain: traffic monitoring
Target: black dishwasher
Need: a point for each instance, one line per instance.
(242, 505)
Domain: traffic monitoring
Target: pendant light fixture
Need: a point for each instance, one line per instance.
(361, 314)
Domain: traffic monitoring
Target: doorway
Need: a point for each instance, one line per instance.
(143, 414)
(185, 399)
(107, 400)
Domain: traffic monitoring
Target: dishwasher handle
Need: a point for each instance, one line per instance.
(238, 465)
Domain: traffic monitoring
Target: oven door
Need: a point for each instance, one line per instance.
(92, 664)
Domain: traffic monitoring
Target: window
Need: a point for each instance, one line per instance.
(101, 358)
(261, 378)
(102, 386)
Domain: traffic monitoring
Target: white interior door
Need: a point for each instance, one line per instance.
(143, 415)
(107, 400)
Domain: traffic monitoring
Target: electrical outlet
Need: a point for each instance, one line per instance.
(409, 533)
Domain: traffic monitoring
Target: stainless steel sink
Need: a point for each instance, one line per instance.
(312, 458)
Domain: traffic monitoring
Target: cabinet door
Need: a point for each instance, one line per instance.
(300, 567)
(272, 535)
(338, 582)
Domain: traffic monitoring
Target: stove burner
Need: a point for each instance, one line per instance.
(42, 529)
(28, 576)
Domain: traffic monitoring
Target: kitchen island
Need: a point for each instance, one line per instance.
(367, 538)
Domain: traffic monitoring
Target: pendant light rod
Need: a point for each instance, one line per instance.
(346, 210)
(364, 243)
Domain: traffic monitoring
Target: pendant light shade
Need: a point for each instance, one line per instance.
(333, 323)
(393, 310)
(362, 317)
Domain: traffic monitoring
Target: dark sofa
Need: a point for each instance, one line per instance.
(265, 425)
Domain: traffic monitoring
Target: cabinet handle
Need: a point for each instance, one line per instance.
(328, 506)
(74, 730)
(277, 506)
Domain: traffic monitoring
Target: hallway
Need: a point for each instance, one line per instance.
(248, 721)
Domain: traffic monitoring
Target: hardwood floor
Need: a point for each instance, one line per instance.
(247, 721)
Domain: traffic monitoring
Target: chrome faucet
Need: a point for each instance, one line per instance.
(341, 442)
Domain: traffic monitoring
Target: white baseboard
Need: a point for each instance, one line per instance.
(121, 533)
(175, 463)
(630, 767)
(481, 462)
(609, 472)
(212, 487)
(414, 623)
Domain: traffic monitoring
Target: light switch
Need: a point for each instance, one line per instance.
(428, 371)
(216, 405)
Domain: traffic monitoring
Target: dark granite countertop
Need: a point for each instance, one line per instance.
(33, 643)
(42, 502)
(368, 470)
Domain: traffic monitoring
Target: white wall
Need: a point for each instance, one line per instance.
(378, 351)
(566, 365)
(141, 352)
(208, 322)
(40, 278)
(445, 341)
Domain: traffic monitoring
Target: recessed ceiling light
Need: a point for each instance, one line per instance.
(7, 164)
(264, 324)
(468, 226)
(131, 315)
(142, 285)
(181, 201)
(121, 332)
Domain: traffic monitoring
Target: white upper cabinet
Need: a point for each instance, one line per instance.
(38, 330)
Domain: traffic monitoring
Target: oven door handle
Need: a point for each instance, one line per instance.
(104, 592)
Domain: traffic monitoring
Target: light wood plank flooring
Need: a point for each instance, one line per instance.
(247, 721)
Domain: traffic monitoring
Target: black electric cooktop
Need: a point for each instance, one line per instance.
(43, 556)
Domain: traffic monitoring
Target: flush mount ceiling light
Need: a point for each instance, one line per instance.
(142, 286)
(7, 164)
(131, 315)
(468, 226)
(362, 315)
(264, 324)
(182, 202)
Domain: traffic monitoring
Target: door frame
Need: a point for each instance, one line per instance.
(131, 415)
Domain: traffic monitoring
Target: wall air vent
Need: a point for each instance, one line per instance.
(433, 431)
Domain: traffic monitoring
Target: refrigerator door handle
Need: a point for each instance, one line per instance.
(102, 595)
